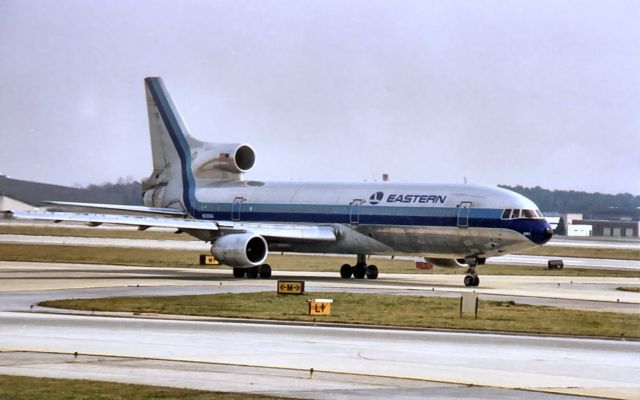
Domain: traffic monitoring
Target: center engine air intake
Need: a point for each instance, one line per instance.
(240, 250)
(221, 161)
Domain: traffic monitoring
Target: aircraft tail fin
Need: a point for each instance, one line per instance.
(171, 150)
(166, 126)
(179, 160)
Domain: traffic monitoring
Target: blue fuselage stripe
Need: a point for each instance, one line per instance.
(480, 218)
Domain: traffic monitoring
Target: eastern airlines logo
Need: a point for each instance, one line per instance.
(377, 197)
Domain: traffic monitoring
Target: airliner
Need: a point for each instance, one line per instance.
(198, 188)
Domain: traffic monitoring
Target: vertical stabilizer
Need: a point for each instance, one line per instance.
(179, 160)
(169, 184)
(165, 124)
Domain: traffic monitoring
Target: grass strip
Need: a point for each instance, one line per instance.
(28, 388)
(376, 309)
(190, 259)
(99, 255)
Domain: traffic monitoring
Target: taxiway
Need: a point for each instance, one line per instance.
(273, 358)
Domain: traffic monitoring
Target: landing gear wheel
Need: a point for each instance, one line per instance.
(476, 280)
(346, 271)
(372, 272)
(252, 273)
(239, 272)
(265, 271)
(469, 280)
(359, 271)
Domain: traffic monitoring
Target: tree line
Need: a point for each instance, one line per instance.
(126, 191)
(592, 205)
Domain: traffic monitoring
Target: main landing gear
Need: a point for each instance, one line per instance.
(263, 271)
(360, 270)
(472, 278)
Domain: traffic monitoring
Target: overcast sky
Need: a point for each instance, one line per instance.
(500, 92)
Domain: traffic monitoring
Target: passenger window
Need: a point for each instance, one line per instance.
(515, 214)
(506, 213)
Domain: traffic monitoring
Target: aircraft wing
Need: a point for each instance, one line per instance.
(142, 222)
(293, 232)
(116, 207)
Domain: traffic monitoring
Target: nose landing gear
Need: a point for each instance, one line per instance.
(471, 279)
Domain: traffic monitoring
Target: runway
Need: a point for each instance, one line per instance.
(244, 379)
(271, 358)
(555, 365)
(596, 242)
(569, 262)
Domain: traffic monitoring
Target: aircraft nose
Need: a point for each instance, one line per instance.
(547, 234)
(541, 235)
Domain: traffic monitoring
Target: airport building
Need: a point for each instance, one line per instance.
(573, 224)
(564, 224)
(621, 228)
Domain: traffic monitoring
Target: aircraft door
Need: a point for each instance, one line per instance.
(354, 211)
(464, 208)
(235, 208)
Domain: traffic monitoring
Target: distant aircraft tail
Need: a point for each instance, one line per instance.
(181, 161)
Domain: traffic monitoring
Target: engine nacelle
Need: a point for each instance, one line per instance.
(240, 250)
(446, 262)
(222, 161)
(457, 262)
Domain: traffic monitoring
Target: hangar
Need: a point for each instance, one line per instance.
(620, 228)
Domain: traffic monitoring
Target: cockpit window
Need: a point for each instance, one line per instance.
(515, 213)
